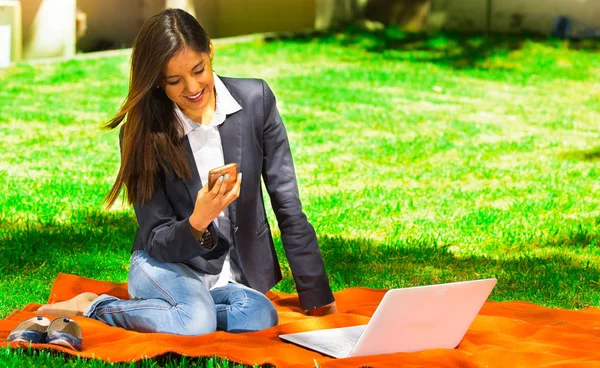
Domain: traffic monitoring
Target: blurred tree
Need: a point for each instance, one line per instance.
(408, 14)
(187, 5)
(336, 13)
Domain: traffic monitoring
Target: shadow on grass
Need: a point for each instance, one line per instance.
(588, 155)
(94, 244)
(555, 280)
(98, 246)
(577, 237)
(452, 49)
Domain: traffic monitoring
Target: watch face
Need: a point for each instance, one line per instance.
(205, 240)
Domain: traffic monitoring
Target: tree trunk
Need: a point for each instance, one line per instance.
(48, 28)
(187, 5)
(336, 13)
(407, 14)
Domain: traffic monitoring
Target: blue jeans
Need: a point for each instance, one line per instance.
(171, 298)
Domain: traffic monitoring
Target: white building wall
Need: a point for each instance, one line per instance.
(507, 16)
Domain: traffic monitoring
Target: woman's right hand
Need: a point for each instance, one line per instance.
(210, 203)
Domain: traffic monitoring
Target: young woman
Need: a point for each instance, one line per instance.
(202, 258)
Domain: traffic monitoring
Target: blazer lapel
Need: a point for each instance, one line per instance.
(231, 140)
(194, 184)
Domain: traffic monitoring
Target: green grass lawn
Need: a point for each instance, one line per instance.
(420, 160)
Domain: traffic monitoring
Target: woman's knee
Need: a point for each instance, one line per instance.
(194, 320)
(265, 315)
(259, 310)
(195, 316)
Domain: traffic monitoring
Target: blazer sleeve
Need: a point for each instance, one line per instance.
(298, 236)
(164, 237)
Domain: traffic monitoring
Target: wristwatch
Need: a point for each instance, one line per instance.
(205, 240)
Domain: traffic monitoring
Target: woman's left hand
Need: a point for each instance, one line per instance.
(324, 310)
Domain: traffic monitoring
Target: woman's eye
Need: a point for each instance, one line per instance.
(200, 71)
(173, 83)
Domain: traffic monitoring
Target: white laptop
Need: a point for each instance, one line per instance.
(406, 320)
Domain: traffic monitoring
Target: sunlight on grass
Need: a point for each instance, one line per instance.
(421, 159)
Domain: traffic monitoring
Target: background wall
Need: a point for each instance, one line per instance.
(235, 17)
(112, 23)
(48, 26)
(10, 32)
(116, 22)
(514, 15)
(538, 15)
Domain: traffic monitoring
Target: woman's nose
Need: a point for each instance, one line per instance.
(192, 86)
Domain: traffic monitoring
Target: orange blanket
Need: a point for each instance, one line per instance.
(503, 335)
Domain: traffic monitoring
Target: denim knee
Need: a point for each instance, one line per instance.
(258, 309)
(265, 315)
(194, 320)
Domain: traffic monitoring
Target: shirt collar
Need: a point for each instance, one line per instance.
(225, 102)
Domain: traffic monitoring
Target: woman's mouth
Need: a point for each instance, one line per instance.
(197, 97)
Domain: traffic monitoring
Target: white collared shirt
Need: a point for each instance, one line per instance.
(205, 141)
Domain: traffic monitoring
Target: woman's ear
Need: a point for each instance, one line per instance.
(211, 51)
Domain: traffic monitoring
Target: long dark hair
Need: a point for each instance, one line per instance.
(151, 136)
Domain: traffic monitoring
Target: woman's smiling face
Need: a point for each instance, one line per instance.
(188, 81)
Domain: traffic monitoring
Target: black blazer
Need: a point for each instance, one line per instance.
(254, 138)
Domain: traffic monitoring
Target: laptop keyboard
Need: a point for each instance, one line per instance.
(337, 342)
(339, 347)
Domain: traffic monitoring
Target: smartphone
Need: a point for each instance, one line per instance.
(216, 173)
